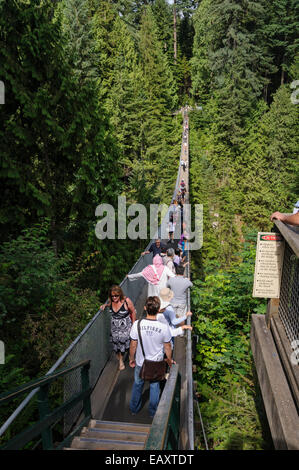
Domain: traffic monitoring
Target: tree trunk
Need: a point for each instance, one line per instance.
(174, 31)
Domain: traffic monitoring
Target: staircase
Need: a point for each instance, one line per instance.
(111, 435)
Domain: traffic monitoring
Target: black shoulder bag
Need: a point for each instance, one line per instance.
(153, 371)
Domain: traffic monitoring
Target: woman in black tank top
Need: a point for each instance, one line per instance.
(123, 315)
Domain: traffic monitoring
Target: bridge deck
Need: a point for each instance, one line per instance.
(116, 386)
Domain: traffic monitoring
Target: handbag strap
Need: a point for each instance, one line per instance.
(155, 271)
(140, 337)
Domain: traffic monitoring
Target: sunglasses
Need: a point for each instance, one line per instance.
(115, 295)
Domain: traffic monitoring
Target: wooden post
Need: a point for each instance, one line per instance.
(272, 309)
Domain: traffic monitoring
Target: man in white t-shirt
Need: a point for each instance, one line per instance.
(156, 337)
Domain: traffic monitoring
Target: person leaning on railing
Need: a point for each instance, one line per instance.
(292, 219)
(157, 248)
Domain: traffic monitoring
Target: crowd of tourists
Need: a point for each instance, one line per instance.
(165, 315)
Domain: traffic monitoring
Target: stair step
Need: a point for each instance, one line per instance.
(115, 434)
(72, 448)
(89, 443)
(119, 426)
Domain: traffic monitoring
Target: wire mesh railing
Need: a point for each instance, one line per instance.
(288, 310)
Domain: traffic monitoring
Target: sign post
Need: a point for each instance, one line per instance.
(268, 270)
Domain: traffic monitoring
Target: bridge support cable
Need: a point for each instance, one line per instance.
(201, 423)
(189, 370)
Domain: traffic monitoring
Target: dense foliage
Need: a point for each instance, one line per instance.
(244, 166)
(223, 304)
(92, 92)
(88, 116)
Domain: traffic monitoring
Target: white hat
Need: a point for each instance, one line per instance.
(165, 297)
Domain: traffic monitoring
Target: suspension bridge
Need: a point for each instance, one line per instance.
(94, 395)
(95, 409)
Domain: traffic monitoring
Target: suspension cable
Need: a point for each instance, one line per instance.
(200, 417)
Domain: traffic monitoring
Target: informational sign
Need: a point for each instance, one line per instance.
(268, 265)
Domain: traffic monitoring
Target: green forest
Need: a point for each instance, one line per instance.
(93, 90)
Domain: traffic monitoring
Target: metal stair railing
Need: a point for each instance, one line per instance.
(48, 417)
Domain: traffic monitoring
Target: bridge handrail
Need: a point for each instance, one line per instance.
(46, 379)
(283, 314)
(59, 361)
(189, 369)
(165, 428)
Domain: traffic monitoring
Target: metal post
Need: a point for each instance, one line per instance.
(85, 386)
(44, 410)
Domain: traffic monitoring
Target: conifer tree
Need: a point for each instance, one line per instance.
(163, 18)
(282, 34)
(230, 53)
(157, 74)
(80, 47)
(157, 132)
(103, 21)
(56, 154)
(269, 159)
(137, 90)
(125, 96)
(231, 69)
